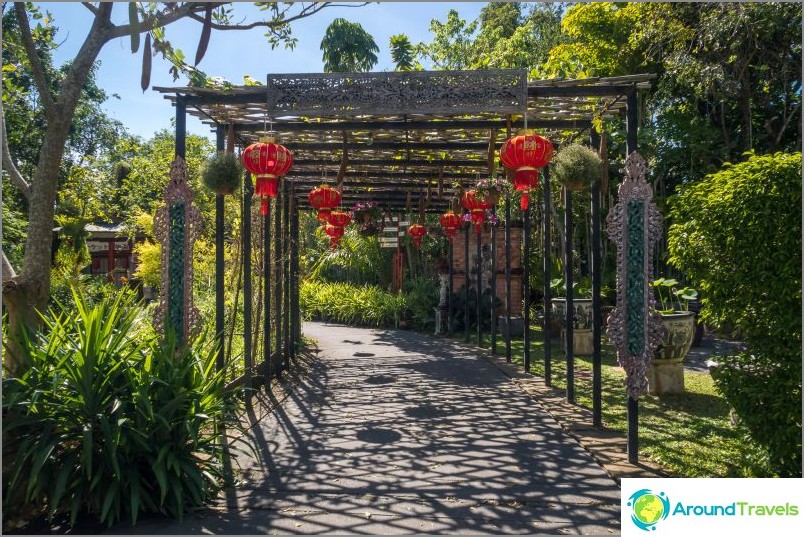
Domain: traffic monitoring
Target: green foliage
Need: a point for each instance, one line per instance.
(737, 233)
(403, 54)
(421, 297)
(459, 306)
(666, 289)
(223, 173)
(576, 166)
(108, 421)
(366, 305)
(348, 48)
(357, 260)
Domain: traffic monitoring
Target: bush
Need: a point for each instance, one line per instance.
(421, 298)
(576, 166)
(223, 173)
(111, 424)
(737, 234)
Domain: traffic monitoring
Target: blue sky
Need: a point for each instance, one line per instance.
(232, 54)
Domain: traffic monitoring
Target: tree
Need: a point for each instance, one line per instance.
(348, 48)
(403, 53)
(451, 47)
(27, 291)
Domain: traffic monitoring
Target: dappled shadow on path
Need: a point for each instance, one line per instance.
(420, 437)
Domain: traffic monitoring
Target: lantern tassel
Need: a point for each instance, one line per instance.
(264, 206)
(523, 201)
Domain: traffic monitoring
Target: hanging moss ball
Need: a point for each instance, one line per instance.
(576, 166)
(223, 173)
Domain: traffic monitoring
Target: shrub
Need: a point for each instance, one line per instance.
(737, 233)
(421, 298)
(111, 424)
(366, 305)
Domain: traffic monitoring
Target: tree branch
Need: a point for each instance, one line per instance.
(8, 270)
(37, 70)
(90, 7)
(162, 18)
(8, 165)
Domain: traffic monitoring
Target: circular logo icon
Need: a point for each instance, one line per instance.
(648, 508)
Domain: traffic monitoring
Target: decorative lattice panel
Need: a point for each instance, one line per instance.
(421, 92)
(634, 326)
(176, 226)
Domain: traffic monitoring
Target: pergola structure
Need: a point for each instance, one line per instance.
(404, 140)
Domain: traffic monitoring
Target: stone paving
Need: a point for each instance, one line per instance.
(394, 432)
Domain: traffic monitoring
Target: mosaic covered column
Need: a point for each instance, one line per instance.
(176, 226)
(634, 224)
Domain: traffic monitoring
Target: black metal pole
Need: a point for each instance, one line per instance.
(219, 299)
(286, 276)
(279, 363)
(570, 316)
(526, 288)
(633, 405)
(266, 296)
(248, 191)
(493, 312)
(597, 384)
(466, 286)
(449, 294)
(507, 277)
(548, 303)
(294, 282)
(479, 288)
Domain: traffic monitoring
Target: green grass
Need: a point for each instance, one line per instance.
(689, 434)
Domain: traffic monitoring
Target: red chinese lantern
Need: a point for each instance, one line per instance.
(524, 154)
(417, 231)
(324, 199)
(473, 202)
(334, 233)
(268, 161)
(450, 222)
(339, 219)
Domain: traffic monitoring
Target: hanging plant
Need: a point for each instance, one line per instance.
(223, 173)
(576, 166)
(490, 190)
(368, 217)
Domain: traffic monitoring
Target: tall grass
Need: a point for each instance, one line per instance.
(364, 305)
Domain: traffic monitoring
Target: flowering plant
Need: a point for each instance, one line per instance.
(490, 217)
(368, 217)
(490, 189)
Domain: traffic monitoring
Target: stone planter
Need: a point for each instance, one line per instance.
(583, 312)
(581, 342)
(666, 372)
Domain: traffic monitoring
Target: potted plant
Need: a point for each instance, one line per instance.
(490, 190)
(368, 217)
(582, 314)
(666, 371)
(223, 173)
(576, 166)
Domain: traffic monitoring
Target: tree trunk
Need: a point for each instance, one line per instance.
(29, 291)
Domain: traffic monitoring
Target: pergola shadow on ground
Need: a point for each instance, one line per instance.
(407, 140)
(391, 432)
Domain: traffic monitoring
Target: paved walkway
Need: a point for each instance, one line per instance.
(395, 432)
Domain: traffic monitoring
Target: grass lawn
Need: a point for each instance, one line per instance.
(689, 434)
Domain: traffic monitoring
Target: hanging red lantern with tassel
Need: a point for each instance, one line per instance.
(334, 233)
(417, 231)
(473, 202)
(324, 199)
(268, 161)
(450, 222)
(524, 154)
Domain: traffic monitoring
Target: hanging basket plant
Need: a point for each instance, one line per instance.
(576, 166)
(368, 217)
(223, 173)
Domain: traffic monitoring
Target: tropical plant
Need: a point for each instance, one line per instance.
(348, 48)
(576, 166)
(737, 234)
(346, 303)
(403, 54)
(109, 422)
(666, 289)
(223, 173)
